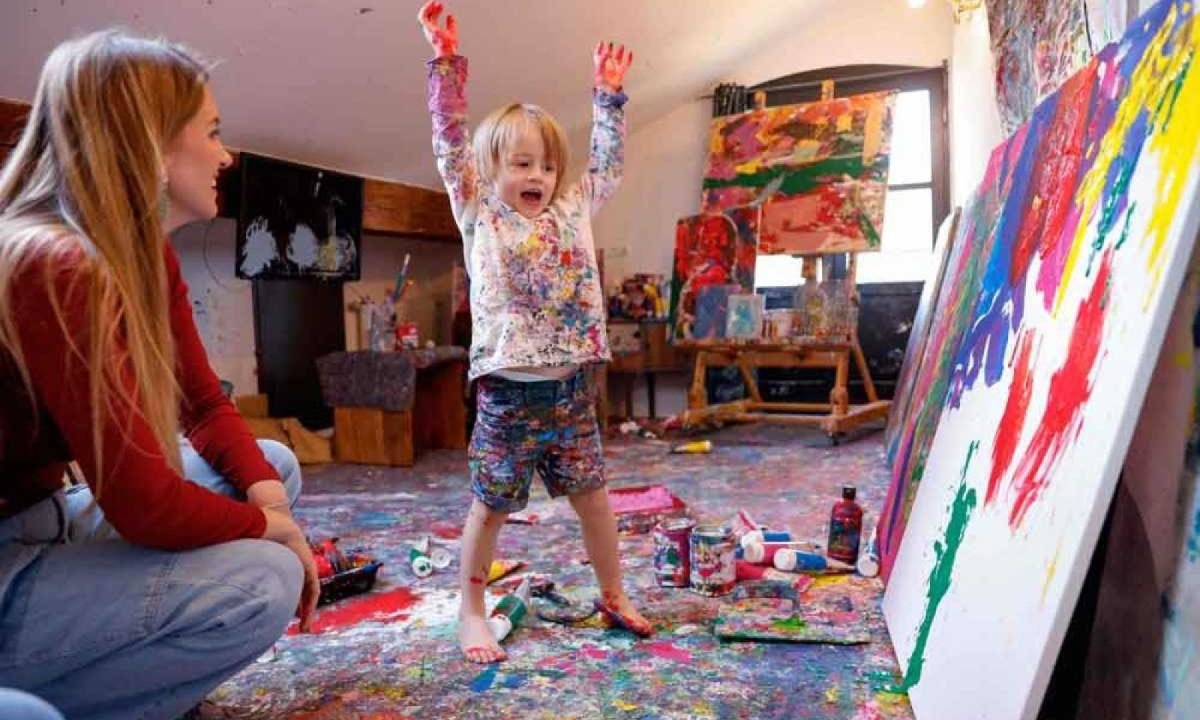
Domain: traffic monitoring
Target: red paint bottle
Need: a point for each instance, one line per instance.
(845, 527)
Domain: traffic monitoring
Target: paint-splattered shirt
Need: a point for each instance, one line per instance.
(536, 299)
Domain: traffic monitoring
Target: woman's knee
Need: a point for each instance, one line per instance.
(285, 463)
(19, 705)
(280, 575)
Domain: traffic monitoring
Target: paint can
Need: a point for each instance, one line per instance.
(712, 570)
(672, 551)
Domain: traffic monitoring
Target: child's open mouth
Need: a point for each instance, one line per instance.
(532, 196)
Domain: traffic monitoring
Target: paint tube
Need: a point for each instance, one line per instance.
(750, 572)
(421, 565)
(763, 553)
(510, 611)
(868, 561)
(699, 446)
(762, 535)
(792, 560)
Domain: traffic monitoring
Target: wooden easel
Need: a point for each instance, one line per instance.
(835, 417)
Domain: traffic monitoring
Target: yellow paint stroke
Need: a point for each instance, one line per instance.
(873, 128)
(832, 693)
(1182, 359)
(1050, 572)
(622, 705)
(1176, 145)
(831, 580)
(891, 700)
(1149, 82)
(845, 122)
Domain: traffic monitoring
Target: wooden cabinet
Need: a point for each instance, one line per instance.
(641, 350)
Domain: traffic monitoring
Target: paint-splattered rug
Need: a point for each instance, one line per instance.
(392, 653)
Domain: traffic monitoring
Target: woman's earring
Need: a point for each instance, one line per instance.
(164, 201)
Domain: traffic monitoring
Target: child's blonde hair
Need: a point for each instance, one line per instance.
(500, 129)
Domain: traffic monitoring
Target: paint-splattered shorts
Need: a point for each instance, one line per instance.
(548, 426)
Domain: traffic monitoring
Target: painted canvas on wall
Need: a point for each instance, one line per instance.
(1037, 44)
(711, 249)
(823, 165)
(915, 347)
(1096, 222)
(297, 221)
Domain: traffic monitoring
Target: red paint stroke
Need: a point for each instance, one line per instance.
(384, 607)
(446, 530)
(594, 653)
(1012, 422)
(476, 580)
(1070, 388)
(1056, 174)
(668, 651)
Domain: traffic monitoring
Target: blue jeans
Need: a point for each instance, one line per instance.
(106, 630)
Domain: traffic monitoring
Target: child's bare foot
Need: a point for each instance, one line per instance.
(619, 612)
(476, 640)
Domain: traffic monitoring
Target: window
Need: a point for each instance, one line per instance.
(918, 188)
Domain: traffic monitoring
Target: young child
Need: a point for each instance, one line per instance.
(537, 316)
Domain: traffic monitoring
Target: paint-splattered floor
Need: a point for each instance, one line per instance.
(392, 654)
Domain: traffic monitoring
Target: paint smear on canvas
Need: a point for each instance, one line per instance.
(946, 553)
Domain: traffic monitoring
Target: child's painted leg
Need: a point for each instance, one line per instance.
(478, 545)
(600, 540)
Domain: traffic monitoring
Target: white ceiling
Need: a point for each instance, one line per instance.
(341, 83)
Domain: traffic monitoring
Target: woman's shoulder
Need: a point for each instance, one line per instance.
(48, 249)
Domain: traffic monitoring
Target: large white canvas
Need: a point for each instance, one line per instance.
(980, 595)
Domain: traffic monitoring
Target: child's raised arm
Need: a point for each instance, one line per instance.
(448, 109)
(606, 159)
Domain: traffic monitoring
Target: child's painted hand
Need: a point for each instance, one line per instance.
(611, 64)
(444, 41)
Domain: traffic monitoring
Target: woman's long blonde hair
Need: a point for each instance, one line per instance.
(86, 180)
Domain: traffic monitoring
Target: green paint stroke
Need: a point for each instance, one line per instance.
(797, 180)
(946, 552)
(794, 622)
(868, 229)
(1125, 230)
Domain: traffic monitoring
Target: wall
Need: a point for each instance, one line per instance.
(974, 116)
(665, 158)
(224, 308)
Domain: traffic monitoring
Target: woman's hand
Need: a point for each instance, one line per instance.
(611, 64)
(443, 40)
(283, 529)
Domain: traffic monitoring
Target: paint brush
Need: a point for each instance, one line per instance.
(401, 279)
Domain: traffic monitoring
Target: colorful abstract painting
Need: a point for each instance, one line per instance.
(1095, 219)
(1037, 44)
(952, 314)
(711, 249)
(820, 167)
(918, 334)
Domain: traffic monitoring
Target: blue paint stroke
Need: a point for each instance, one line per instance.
(483, 681)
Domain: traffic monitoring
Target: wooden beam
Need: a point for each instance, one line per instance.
(394, 209)
(13, 114)
(389, 208)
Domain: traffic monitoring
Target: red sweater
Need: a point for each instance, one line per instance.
(145, 500)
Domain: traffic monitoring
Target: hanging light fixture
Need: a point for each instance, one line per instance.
(963, 8)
